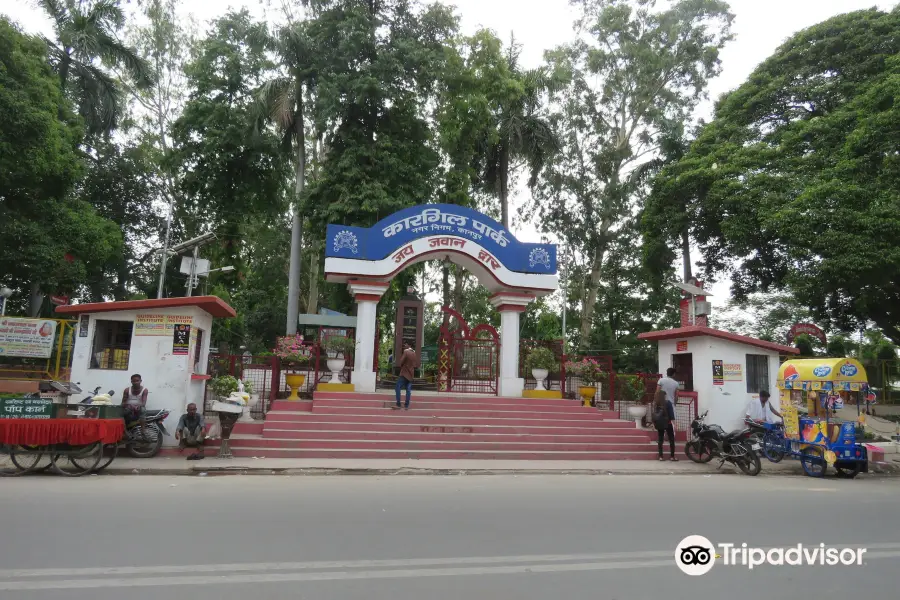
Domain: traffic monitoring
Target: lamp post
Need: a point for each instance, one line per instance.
(5, 294)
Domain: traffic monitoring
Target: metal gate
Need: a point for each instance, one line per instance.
(468, 359)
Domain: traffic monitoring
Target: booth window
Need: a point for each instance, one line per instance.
(757, 373)
(112, 345)
(198, 347)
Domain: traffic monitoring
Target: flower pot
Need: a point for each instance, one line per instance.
(638, 412)
(295, 382)
(540, 375)
(587, 394)
(335, 365)
(246, 418)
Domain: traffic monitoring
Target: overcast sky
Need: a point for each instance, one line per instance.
(760, 27)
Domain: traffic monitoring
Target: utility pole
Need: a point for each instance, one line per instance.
(193, 274)
(165, 251)
(565, 296)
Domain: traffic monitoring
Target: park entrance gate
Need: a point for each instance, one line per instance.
(468, 358)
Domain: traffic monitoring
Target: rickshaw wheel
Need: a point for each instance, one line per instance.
(112, 450)
(773, 447)
(813, 460)
(25, 461)
(848, 469)
(84, 460)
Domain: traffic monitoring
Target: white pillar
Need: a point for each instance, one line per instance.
(510, 305)
(367, 295)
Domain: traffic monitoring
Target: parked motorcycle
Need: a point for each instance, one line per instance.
(137, 445)
(711, 441)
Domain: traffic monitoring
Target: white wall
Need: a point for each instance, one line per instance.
(166, 377)
(726, 403)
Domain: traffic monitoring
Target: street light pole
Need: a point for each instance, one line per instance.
(5, 294)
(165, 251)
(190, 283)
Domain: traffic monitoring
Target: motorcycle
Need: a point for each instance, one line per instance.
(137, 445)
(711, 441)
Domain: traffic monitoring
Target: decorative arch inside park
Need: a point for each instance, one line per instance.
(367, 259)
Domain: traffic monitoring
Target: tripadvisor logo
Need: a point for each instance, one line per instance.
(696, 555)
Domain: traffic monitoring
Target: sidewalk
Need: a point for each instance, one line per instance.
(212, 466)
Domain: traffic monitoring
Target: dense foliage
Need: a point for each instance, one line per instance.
(133, 127)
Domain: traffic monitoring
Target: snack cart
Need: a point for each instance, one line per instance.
(819, 387)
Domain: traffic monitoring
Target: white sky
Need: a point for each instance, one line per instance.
(760, 27)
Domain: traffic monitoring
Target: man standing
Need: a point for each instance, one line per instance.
(669, 385)
(191, 431)
(408, 363)
(134, 402)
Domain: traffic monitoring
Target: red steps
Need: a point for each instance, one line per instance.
(358, 426)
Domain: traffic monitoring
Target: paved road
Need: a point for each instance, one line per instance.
(398, 538)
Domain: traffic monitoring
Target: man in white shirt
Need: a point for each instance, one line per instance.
(761, 410)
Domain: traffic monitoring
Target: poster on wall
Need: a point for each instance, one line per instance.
(155, 324)
(681, 346)
(734, 372)
(718, 368)
(30, 338)
(84, 324)
(181, 340)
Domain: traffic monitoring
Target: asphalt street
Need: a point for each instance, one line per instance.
(435, 537)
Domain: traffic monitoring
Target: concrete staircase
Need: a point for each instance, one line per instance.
(341, 425)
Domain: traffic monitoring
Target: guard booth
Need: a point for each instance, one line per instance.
(723, 371)
(166, 341)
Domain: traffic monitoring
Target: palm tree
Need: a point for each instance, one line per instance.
(282, 101)
(86, 39)
(522, 137)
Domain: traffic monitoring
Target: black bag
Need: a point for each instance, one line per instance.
(660, 417)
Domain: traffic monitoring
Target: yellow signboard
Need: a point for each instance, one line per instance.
(790, 416)
(156, 324)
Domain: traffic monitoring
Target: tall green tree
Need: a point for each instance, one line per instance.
(86, 46)
(794, 185)
(49, 237)
(636, 74)
(229, 170)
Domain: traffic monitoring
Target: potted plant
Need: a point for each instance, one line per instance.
(254, 399)
(590, 372)
(223, 386)
(540, 361)
(634, 394)
(338, 348)
(294, 356)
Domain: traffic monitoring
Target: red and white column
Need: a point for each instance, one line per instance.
(510, 305)
(367, 294)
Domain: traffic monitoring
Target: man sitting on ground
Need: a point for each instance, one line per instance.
(191, 431)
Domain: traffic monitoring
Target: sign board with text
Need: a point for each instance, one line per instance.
(396, 232)
(26, 408)
(31, 338)
(157, 324)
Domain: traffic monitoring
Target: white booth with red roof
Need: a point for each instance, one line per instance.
(723, 369)
(166, 341)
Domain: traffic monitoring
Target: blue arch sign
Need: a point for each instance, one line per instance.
(392, 233)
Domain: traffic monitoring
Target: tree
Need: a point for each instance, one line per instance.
(635, 81)
(229, 170)
(519, 133)
(794, 185)
(283, 100)
(164, 41)
(48, 238)
(86, 33)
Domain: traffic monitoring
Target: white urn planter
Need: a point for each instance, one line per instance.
(638, 412)
(540, 375)
(253, 401)
(335, 365)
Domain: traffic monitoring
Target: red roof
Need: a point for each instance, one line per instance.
(211, 304)
(696, 331)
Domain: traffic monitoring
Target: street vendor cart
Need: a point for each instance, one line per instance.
(45, 433)
(817, 388)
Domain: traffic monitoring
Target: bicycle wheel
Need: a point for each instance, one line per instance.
(29, 459)
(773, 447)
(78, 461)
